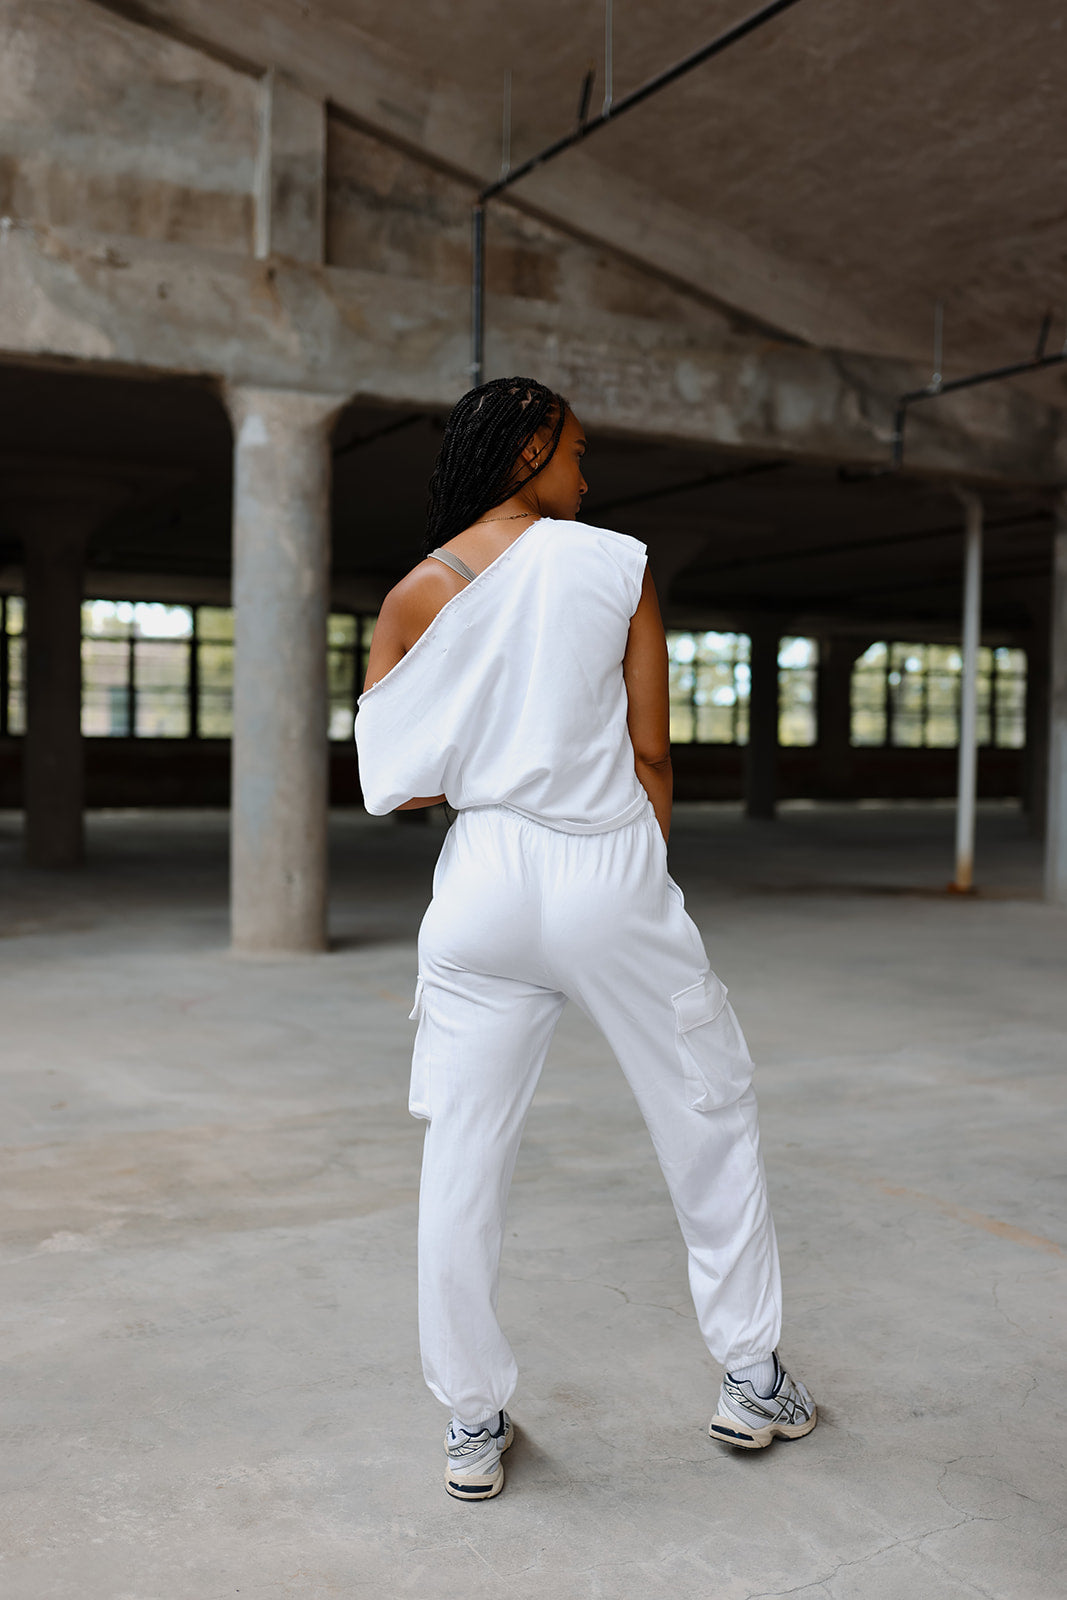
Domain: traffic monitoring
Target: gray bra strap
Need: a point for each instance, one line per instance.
(454, 562)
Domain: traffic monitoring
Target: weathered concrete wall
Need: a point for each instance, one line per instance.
(117, 130)
(389, 212)
(395, 84)
(120, 130)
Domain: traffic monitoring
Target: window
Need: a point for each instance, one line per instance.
(1007, 698)
(135, 669)
(908, 695)
(214, 672)
(709, 687)
(870, 723)
(710, 681)
(155, 671)
(798, 665)
(12, 665)
(349, 647)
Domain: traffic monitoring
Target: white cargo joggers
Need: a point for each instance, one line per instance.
(523, 918)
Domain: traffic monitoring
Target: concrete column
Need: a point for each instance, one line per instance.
(281, 558)
(837, 656)
(55, 517)
(55, 536)
(761, 765)
(1056, 828)
(1035, 751)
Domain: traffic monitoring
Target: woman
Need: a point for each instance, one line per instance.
(520, 672)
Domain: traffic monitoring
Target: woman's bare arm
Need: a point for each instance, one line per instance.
(644, 669)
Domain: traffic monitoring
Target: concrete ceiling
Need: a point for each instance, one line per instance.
(833, 174)
(893, 153)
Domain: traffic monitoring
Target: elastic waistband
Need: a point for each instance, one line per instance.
(638, 807)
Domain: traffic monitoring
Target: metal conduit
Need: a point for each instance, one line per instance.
(612, 110)
(936, 387)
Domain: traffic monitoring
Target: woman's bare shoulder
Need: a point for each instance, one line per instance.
(411, 605)
(406, 613)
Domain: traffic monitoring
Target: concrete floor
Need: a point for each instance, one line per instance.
(211, 1372)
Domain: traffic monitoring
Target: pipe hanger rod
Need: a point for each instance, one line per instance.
(662, 80)
(733, 36)
(612, 110)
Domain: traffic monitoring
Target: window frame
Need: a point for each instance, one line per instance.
(190, 689)
(894, 714)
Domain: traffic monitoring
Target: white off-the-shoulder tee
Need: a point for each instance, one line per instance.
(514, 694)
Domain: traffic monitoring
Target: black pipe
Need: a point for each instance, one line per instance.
(859, 546)
(740, 30)
(931, 392)
(364, 439)
(705, 481)
(618, 108)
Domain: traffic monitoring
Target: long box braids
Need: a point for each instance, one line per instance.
(478, 465)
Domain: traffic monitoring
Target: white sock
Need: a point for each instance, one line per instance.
(476, 1427)
(761, 1375)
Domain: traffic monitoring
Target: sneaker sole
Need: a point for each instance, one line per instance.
(729, 1431)
(479, 1486)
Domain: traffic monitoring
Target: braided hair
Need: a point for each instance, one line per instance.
(478, 466)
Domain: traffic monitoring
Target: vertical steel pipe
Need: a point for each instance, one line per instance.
(609, 56)
(477, 294)
(967, 784)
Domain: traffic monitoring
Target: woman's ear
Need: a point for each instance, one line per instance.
(534, 449)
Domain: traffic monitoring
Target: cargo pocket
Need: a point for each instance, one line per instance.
(419, 1093)
(715, 1058)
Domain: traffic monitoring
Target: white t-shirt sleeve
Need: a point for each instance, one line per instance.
(631, 556)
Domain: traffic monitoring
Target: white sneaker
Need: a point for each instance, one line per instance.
(475, 1470)
(750, 1420)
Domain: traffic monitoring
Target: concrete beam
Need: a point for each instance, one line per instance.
(290, 173)
(277, 324)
